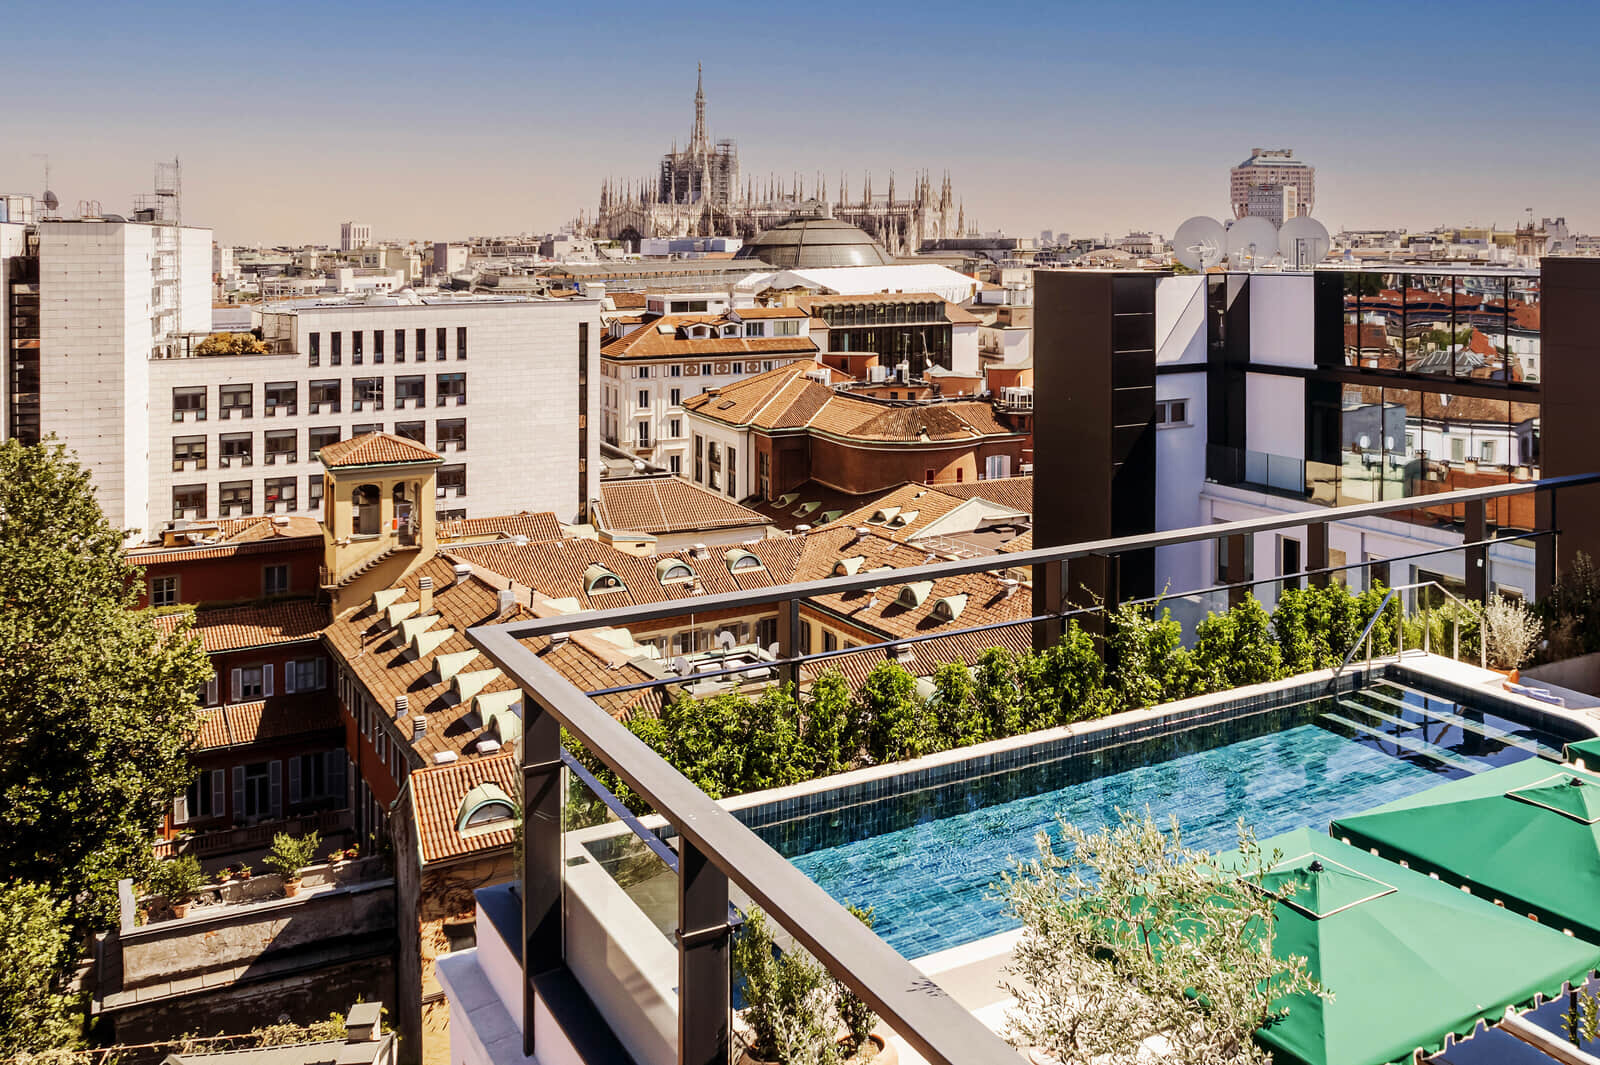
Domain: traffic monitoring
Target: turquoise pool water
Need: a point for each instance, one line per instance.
(926, 861)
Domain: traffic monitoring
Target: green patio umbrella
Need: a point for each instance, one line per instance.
(1586, 753)
(1408, 959)
(1527, 835)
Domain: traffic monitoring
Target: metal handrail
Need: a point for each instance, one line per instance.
(1366, 633)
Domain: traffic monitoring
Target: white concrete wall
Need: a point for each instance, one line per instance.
(95, 321)
(1181, 320)
(1281, 320)
(194, 292)
(1180, 478)
(964, 348)
(521, 410)
(726, 438)
(1275, 415)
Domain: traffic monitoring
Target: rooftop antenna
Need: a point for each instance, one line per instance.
(1200, 243)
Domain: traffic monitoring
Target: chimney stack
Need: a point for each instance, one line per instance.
(425, 595)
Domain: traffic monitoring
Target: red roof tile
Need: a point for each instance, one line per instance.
(376, 449)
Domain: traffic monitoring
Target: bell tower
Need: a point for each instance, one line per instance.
(378, 521)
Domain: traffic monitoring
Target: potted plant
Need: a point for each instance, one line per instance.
(178, 880)
(859, 1043)
(244, 871)
(788, 1005)
(289, 855)
(1510, 634)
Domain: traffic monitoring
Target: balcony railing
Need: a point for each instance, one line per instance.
(716, 849)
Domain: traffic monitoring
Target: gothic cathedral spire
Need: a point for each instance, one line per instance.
(697, 141)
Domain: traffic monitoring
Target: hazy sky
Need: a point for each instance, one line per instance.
(447, 120)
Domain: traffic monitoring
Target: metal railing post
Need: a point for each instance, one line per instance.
(789, 641)
(705, 1001)
(1477, 564)
(542, 938)
(1455, 652)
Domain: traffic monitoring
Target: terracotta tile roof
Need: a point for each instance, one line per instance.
(234, 628)
(257, 722)
(435, 794)
(767, 312)
(234, 536)
(1021, 543)
(626, 300)
(540, 525)
(928, 656)
(810, 502)
(365, 642)
(668, 505)
(376, 449)
(920, 503)
(661, 338)
(1013, 492)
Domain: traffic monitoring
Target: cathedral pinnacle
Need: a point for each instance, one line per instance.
(697, 141)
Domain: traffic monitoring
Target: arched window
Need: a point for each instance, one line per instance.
(485, 805)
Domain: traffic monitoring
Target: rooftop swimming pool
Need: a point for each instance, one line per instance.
(926, 860)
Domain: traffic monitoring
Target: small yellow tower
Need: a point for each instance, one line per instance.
(377, 513)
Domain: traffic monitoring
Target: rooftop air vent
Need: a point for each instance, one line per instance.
(419, 727)
(462, 571)
(402, 705)
(505, 601)
(444, 757)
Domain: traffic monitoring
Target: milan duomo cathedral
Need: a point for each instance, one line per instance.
(699, 193)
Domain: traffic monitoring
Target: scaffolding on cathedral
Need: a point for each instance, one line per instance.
(698, 192)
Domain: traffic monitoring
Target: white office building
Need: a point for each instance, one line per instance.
(354, 235)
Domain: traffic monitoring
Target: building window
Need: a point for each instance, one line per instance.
(641, 372)
(282, 446)
(755, 329)
(733, 475)
(234, 499)
(254, 790)
(642, 433)
(705, 369)
(830, 642)
(451, 434)
(321, 437)
(675, 463)
(399, 345)
(324, 396)
(461, 342)
(252, 682)
(189, 501)
(275, 579)
(366, 393)
(438, 343)
(189, 401)
(280, 494)
(281, 397)
(675, 370)
(422, 345)
(764, 474)
(188, 449)
(356, 345)
(1171, 413)
(336, 353)
(235, 449)
(314, 354)
(417, 431)
(365, 428)
(786, 328)
(736, 369)
(377, 347)
(713, 465)
(676, 397)
(206, 797)
(644, 399)
(314, 493)
(235, 399)
(699, 459)
(306, 675)
(675, 428)
(451, 480)
(448, 387)
(163, 591)
(412, 389)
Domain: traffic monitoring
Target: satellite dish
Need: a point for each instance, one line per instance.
(1303, 242)
(725, 640)
(1200, 243)
(51, 200)
(680, 666)
(1252, 242)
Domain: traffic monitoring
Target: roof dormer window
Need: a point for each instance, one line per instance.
(598, 579)
(673, 571)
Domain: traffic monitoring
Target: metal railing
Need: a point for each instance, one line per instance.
(716, 849)
(1427, 627)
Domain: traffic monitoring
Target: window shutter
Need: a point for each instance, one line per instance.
(237, 685)
(180, 809)
(266, 681)
(211, 689)
(294, 780)
(238, 790)
(275, 787)
(219, 797)
(288, 677)
(335, 774)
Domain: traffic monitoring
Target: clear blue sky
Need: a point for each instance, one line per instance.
(439, 121)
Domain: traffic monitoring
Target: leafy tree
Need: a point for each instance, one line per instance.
(1148, 662)
(1127, 935)
(97, 704)
(703, 740)
(231, 344)
(824, 737)
(954, 707)
(770, 732)
(998, 698)
(893, 712)
(1064, 683)
(1291, 624)
(789, 1008)
(35, 958)
(1237, 648)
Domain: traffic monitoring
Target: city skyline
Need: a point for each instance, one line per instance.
(430, 125)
